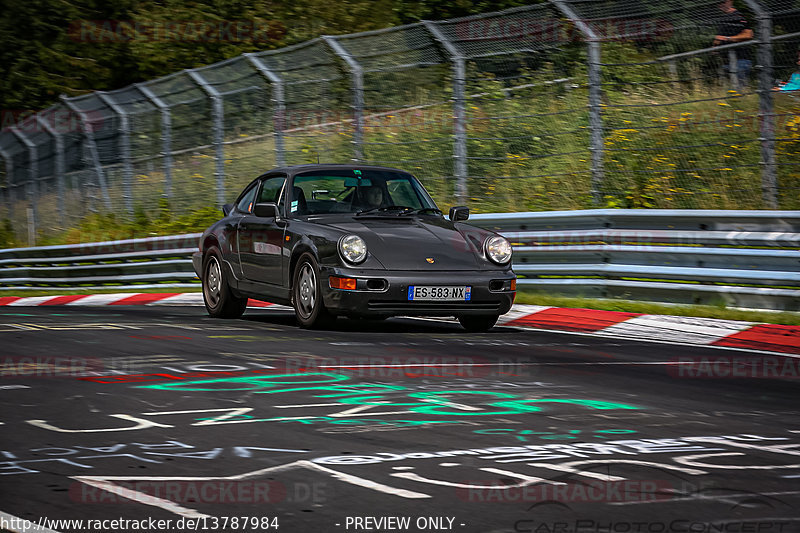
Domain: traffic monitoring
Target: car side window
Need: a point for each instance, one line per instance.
(271, 189)
(245, 205)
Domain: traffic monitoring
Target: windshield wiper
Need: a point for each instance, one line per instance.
(399, 209)
(423, 211)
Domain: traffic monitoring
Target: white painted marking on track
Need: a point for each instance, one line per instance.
(105, 483)
(33, 528)
(687, 330)
(519, 311)
(187, 298)
(102, 299)
(592, 363)
(306, 405)
(366, 483)
(31, 300)
(142, 497)
(655, 341)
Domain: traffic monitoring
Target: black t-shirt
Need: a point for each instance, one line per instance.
(734, 23)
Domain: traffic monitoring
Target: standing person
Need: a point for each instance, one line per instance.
(794, 81)
(733, 27)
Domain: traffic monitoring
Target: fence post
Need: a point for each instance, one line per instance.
(124, 148)
(459, 110)
(59, 167)
(218, 115)
(166, 135)
(766, 113)
(9, 176)
(91, 146)
(278, 105)
(595, 98)
(733, 69)
(357, 74)
(33, 176)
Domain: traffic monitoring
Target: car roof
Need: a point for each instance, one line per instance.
(294, 169)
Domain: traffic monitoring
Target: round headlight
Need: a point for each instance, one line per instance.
(498, 250)
(353, 249)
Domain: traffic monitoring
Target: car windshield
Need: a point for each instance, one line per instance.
(359, 191)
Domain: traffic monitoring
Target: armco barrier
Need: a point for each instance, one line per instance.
(140, 263)
(739, 258)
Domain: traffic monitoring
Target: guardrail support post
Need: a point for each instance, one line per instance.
(30, 186)
(91, 148)
(459, 110)
(218, 116)
(766, 113)
(59, 167)
(733, 69)
(357, 74)
(594, 66)
(124, 148)
(278, 105)
(166, 135)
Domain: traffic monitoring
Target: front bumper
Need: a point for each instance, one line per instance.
(392, 298)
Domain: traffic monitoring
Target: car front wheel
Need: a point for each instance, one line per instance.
(217, 295)
(478, 323)
(307, 294)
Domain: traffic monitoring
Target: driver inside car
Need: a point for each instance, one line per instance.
(372, 197)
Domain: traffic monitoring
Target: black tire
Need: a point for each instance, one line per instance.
(478, 323)
(217, 295)
(307, 294)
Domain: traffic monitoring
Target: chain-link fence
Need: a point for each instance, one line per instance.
(566, 104)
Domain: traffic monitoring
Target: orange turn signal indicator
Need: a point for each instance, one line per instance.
(513, 284)
(348, 284)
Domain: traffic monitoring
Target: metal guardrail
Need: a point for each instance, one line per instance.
(738, 258)
(131, 263)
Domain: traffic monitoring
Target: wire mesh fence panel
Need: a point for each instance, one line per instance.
(317, 120)
(189, 107)
(565, 104)
(526, 106)
(407, 103)
(786, 98)
(675, 120)
(248, 113)
(17, 175)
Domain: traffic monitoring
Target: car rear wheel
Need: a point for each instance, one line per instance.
(307, 294)
(217, 295)
(478, 323)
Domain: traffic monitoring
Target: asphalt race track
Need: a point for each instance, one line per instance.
(120, 415)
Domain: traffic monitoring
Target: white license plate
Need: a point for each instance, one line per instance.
(439, 294)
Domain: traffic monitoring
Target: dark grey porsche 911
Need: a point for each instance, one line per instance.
(357, 241)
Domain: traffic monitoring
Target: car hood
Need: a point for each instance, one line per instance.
(419, 243)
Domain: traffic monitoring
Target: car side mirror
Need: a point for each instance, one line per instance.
(266, 210)
(226, 209)
(459, 212)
